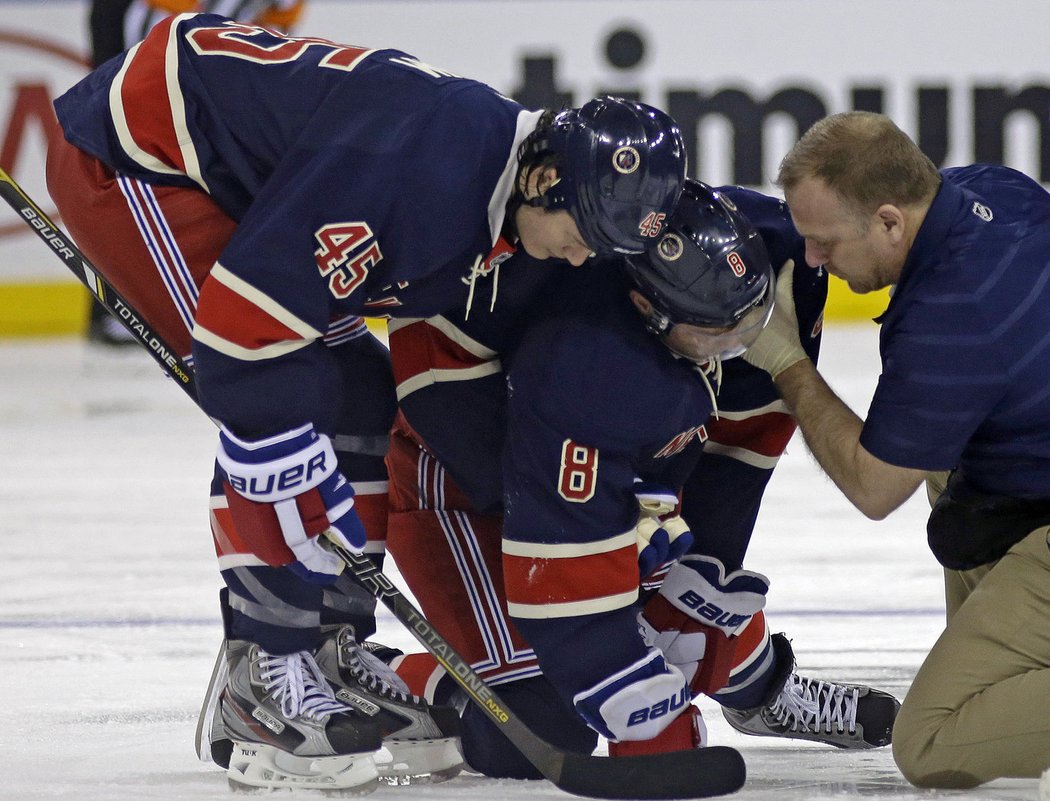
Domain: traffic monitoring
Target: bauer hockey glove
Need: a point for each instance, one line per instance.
(778, 347)
(284, 492)
(636, 703)
(696, 616)
(662, 537)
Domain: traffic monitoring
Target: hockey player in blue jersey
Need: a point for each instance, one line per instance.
(254, 195)
(537, 571)
(962, 404)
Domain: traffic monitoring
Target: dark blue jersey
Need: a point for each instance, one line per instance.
(363, 182)
(595, 402)
(965, 343)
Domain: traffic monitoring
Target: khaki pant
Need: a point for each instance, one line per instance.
(979, 708)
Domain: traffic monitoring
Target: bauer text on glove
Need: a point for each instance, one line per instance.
(284, 491)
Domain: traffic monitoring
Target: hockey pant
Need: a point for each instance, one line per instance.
(156, 245)
(450, 557)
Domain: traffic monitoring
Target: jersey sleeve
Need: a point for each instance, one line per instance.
(449, 372)
(348, 171)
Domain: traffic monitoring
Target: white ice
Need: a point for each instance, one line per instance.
(109, 628)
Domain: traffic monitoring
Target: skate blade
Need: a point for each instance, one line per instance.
(420, 761)
(254, 766)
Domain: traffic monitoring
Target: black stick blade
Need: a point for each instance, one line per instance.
(699, 773)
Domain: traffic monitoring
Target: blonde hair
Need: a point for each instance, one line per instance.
(865, 159)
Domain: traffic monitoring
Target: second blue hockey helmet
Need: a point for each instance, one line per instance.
(709, 268)
(621, 168)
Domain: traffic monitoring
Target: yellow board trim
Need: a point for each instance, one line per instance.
(42, 310)
(846, 305)
(60, 308)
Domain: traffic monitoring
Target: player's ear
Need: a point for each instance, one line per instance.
(545, 179)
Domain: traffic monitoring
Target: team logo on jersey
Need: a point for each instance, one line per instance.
(677, 445)
(626, 160)
(670, 247)
(982, 211)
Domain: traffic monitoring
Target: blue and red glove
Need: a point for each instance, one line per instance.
(284, 492)
(696, 616)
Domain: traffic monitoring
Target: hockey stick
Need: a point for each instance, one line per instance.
(696, 773)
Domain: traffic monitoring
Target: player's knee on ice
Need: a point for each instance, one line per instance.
(536, 702)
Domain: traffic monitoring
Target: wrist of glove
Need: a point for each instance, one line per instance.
(636, 703)
(778, 347)
(662, 536)
(696, 616)
(284, 492)
(685, 732)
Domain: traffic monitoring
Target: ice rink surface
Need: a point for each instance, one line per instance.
(109, 622)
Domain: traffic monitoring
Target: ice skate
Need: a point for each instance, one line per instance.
(284, 726)
(423, 739)
(842, 715)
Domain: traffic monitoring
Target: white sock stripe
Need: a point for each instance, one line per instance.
(484, 599)
(185, 307)
(469, 542)
(182, 270)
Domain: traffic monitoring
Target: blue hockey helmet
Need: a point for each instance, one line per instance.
(709, 268)
(621, 167)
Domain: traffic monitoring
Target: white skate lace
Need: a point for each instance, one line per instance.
(295, 682)
(808, 705)
(376, 675)
(711, 367)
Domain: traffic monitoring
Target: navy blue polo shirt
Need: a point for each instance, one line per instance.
(965, 342)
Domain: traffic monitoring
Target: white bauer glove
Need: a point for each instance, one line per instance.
(285, 491)
(637, 702)
(778, 346)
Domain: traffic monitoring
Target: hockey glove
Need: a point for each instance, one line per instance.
(636, 703)
(695, 617)
(662, 537)
(778, 346)
(284, 491)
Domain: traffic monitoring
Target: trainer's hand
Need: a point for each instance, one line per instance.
(778, 346)
(285, 491)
